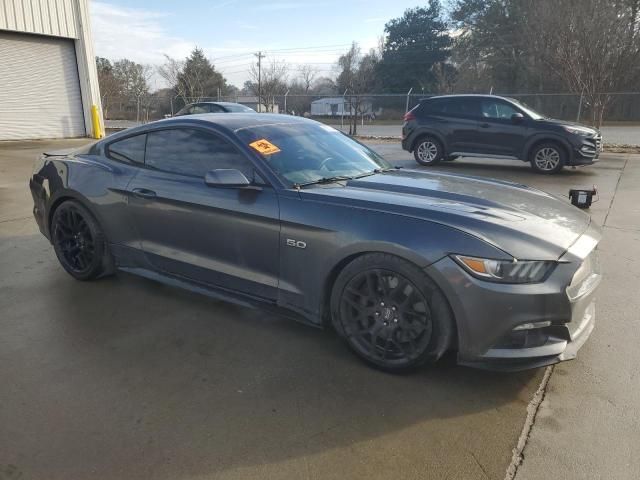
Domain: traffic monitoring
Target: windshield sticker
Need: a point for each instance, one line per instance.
(265, 147)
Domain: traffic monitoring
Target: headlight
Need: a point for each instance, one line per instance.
(506, 271)
(585, 132)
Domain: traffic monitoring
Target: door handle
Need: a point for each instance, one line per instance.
(484, 125)
(144, 193)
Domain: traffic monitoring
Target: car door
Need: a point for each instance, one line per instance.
(498, 133)
(461, 114)
(226, 237)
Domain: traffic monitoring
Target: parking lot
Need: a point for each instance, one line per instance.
(127, 378)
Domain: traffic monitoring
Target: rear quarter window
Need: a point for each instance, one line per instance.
(433, 107)
(130, 149)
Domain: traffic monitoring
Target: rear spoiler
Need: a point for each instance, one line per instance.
(70, 151)
(60, 153)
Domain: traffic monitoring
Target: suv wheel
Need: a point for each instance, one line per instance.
(547, 158)
(428, 151)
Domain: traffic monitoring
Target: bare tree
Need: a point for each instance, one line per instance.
(194, 78)
(592, 45)
(170, 70)
(273, 81)
(357, 77)
(444, 75)
(110, 88)
(307, 74)
(134, 80)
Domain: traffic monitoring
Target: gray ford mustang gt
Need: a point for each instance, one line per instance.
(294, 216)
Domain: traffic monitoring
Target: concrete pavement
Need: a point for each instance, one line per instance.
(588, 425)
(126, 378)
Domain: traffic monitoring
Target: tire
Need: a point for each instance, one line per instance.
(391, 314)
(547, 158)
(428, 151)
(79, 242)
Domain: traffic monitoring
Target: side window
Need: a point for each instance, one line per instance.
(496, 109)
(215, 109)
(433, 107)
(183, 111)
(462, 107)
(198, 109)
(128, 150)
(193, 152)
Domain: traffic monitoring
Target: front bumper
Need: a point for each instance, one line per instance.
(489, 316)
(586, 150)
(562, 344)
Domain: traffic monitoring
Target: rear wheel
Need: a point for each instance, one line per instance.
(391, 313)
(547, 158)
(428, 151)
(78, 241)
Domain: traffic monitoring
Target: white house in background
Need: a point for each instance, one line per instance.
(337, 107)
(48, 77)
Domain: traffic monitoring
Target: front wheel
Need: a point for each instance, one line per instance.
(428, 151)
(547, 158)
(391, 313)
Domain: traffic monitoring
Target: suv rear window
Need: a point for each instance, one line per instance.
(463, 106)
(456, 106)
(432, 106)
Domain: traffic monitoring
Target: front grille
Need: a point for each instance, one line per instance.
(598, 140)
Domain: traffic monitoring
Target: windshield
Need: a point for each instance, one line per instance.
(528, 110)
(311, 152)
(239, 108)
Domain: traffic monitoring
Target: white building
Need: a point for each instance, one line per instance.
(338, 106)
(48, 77)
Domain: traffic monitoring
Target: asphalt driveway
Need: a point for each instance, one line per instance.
(127, 378)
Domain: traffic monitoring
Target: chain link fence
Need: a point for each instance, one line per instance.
(376, 113)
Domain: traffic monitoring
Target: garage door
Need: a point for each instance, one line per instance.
(39, 88)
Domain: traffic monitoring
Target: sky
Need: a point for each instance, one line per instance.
(312, 32)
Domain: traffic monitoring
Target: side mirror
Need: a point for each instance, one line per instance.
(517, 117)
(226, 177)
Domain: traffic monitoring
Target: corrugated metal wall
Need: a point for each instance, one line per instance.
(46, 17)
(65, 19)
(39, 88)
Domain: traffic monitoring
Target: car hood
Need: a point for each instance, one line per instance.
(553, 121)
(522, 221)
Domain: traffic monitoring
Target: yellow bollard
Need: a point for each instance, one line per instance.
(97, 128)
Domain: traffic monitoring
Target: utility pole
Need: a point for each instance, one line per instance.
(260, 56)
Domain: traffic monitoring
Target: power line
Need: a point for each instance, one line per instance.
(294, 49)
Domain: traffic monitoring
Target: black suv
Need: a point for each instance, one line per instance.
(446, 127)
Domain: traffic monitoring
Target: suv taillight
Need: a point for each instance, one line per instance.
(409, 116)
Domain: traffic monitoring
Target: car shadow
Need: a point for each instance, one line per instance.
(124, 373)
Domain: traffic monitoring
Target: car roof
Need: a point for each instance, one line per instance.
(217, 103)
(464, 95)
(227, 122)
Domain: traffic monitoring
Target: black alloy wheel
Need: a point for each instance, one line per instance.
(77, 240)
(386, 319)
(386, 316)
